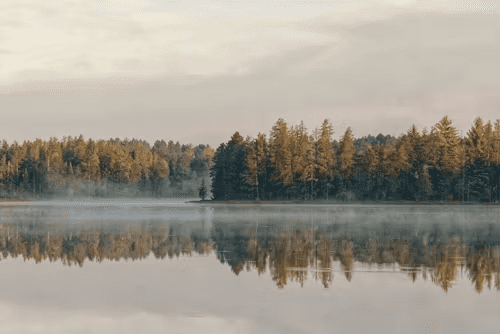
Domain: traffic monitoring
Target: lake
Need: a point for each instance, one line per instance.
(170, 266)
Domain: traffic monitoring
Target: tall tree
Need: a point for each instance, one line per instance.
(256, 161)
(159, 172)
(325, 160)
(309, 173)
(446, 155)
(345, 156)
(495, 159)
(280, 155)
(478, 147)
(300, 145)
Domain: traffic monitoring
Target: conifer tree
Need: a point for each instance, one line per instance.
(309, 173)
(91, 164)
(280, 155)
(299, 145)
(203, 190)
(325, 159)
(217, 173)
(495, 159)
(478, 147)
(208, 155)
(120, 165)
(256, 162)
(446, 155)
(159, 172)
(346, 155)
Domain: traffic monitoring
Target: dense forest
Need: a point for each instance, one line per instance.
(435, 165)
(114, 167)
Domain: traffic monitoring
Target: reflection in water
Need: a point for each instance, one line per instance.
(289, 252)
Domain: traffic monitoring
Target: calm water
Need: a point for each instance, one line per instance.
(174, 267)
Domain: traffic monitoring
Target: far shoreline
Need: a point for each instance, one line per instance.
(335, 202)
(260, 202)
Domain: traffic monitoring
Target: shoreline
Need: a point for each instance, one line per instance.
(330, 202)
(267, 202)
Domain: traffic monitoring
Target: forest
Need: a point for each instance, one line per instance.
(104, 168)
(437, 165)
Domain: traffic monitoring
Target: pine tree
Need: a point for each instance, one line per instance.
(325, 159)
(203, 190)
(3, 175)
(345, 156)
(280, 155)
(495, 159)
(208, 155)
(309, 173)
(256, 161)
(217, 173)
(478, 147)
(159, 172)
(299, 145)
(361, 175)
(446, 155)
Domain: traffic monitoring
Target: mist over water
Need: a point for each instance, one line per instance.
(154, 264)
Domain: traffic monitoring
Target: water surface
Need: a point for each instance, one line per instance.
(169, 266)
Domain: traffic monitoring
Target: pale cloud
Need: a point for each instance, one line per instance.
(139, 44)
(72, 38)
(210, 69)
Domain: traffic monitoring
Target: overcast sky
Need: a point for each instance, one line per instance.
(197, 71)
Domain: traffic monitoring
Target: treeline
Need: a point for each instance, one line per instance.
(102, 168)
(435, 165)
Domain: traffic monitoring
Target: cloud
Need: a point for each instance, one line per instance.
(6, 52)
(377, 74)
(57, 36)
(140, 43)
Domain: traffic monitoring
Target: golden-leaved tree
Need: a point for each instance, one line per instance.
(345, 156)
(280, 156)
(446, 149)
(325, 159)
(299, 148)
(256, 161)
(159, 171)
(478, 144)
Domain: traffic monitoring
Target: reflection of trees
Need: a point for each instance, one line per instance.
(294, 253)
(323, 255)
(446, 258)
(484, 267)
(231, 248)
(290, 254)
(97, 244)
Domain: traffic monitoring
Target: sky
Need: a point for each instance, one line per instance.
(197, 71)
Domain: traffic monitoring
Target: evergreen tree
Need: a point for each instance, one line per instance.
(299, 147)
(159, 172)
(203, 190)
(478, 147)
(218, 172)
(345, 157)
(325, 159)
(495, 159)
(309, 173)
(446, 155)
(256, 162)
(279, 154)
